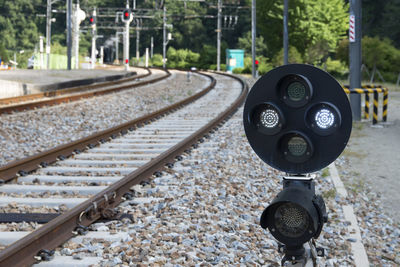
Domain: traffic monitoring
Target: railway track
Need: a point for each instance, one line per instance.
(76, 190)
(8, 105)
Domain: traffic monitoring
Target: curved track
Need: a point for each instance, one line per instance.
(8, 105)
(124, 156)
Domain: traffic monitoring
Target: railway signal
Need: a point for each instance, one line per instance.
(92, 20)
(126, 16)
(297, 119)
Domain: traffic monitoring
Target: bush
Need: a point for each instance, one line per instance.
(212, 67)
(157, 60)
(264, 67)
(376, 52)
(248, 65)
(336, 68)
(294, 57)
(182, 58)
(238, 70)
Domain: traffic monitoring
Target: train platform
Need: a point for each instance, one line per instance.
(22, 82)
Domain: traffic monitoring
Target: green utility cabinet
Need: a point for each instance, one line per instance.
(234, 59)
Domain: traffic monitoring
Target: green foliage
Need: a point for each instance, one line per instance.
(264, 66)
(315, 26)
(181, 58)
(381, 18)
(59, 49)
(380, 53)
(246, 43)
(157, 60)
(294, 57)
(342, 51)
(208, 55)
(376, 52)
(3, 53)
(18, 24)
(238, 70)
(336, 67)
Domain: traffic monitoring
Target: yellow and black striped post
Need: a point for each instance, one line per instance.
(375, 112)
(366, 107)
(369, 89)
(385, 104)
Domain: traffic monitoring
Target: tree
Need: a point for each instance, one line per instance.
(314, 26)
(3, 53)
(245, 43)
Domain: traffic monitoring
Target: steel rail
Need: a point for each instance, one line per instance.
(21, 167)
(63, 227)
(74, 97)
(68, 90)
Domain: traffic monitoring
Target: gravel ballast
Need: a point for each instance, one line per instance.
(211, 215)
(26, 133)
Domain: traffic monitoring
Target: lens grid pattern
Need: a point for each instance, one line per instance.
(324, 118)
(297, 146)
(269, 118)
(291, 220)
(296, 91)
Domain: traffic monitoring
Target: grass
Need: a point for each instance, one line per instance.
(329, 194)
(356, 185)
(325, 172)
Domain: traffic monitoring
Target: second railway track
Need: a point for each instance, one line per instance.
(80, 185)
(25, 102)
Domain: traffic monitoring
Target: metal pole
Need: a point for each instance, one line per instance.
(116, 47)
(253, 37)
(151, 47)
(164, 36)
(219, 35)
(285, 33)
(69, 33)
(48, 32)
(355, 58)
(93, 60)
(41, 51)
(137, 42)
(147, 58)
(101, 55)
(75, 40)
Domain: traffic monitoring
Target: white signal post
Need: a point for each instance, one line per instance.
(93, 60)
(126, 36)
(78, 17)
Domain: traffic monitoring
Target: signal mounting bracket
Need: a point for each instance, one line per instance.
(303, 177)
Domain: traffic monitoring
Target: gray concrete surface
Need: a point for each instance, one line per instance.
(374, 156)
(22, 82)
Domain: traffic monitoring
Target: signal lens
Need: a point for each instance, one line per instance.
(296, 91)
(324, 118)
(291, 220)
(297, 146)
(269, 118)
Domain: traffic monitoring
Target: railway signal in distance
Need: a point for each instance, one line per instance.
(126, 16)
(92, 20)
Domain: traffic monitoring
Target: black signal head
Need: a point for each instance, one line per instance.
(297, 118)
